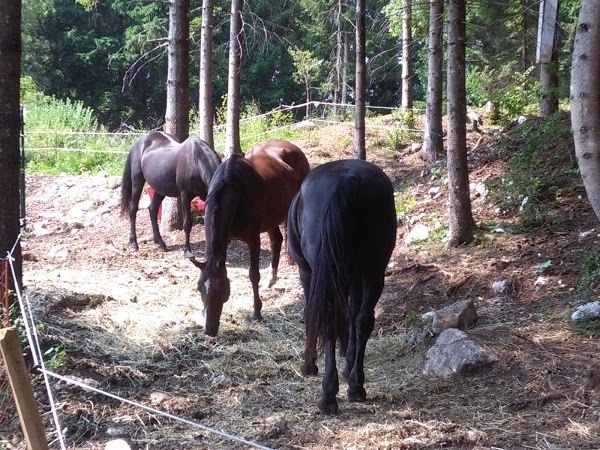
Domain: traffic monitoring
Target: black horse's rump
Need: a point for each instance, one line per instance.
(172, 169)
(341, 233)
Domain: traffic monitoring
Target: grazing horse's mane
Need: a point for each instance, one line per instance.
(228, 177)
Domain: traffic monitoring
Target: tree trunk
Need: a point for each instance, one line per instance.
(345, 73)
(433, 145)
(177, 120)
(338, 59)
(360, 83)
(178, 78)
(205, 104)
(548, 56)
(10, 127)
(232, 135)
(407, 66)
(585, 102)
(460, 218)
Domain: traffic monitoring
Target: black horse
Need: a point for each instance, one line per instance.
(341, 232)
(172, 169)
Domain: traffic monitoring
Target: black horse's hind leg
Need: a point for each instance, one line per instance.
(363, 326)
(137, 185)
(331, 385)
(187, 223)
(153, 209)
(254, 247)
(276, 239)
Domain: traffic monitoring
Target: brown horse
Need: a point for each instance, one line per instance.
(247, 196)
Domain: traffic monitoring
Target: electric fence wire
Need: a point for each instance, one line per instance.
(34, 343)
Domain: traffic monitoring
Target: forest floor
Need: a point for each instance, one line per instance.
(128, 323)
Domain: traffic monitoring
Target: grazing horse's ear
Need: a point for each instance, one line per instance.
(199, 264)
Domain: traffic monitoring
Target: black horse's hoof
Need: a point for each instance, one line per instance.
(257, 317)
(161, 246)
(188, 254)
(134, 247)
(309, 370)
(357, 394)
(327, 406)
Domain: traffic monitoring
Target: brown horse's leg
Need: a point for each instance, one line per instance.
(331, 385)
(254, 247)
(276, 239)
(187, 223)
(153, 209)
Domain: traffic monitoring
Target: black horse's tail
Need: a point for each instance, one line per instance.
(333, 268)
(126, 185)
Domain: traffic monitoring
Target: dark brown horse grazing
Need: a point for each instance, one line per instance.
(172, 169)
(341, 233)
(247, 196)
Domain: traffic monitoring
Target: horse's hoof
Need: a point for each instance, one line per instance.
(309, 370)
(328, 407)
(257, 317)
(162, 247)
(188, 254)
(272, 282)
(134, 247)
(357, 394)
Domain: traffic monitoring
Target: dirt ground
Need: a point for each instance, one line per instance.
(128, 324)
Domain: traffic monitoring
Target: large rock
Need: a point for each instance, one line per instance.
(455, 354)
(460, 315)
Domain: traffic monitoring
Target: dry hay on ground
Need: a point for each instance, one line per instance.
(129, 324)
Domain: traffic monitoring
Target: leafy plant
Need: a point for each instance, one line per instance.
(56, 357)
(543, 267)
(589, 267)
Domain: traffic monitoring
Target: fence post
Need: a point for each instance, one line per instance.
(20, 383)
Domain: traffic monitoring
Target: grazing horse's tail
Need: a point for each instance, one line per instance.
(333, 268)
(126, 185)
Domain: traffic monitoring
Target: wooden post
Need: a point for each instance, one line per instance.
(20, 383)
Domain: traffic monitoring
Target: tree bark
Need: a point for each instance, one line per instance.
(206, 108)
(433, 145)
(338, 58)
(232, 134)
(360, 151)
(460, 218)
(345, 73)
(585, 102)
(548, 68)
(407, 66)
(177, 120)
(10, 127)
(178, 78)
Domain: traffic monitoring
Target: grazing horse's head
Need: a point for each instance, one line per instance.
(213, 286)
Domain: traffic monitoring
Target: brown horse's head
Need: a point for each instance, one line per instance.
(213, 286)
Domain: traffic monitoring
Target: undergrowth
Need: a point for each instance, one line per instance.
(537, 169)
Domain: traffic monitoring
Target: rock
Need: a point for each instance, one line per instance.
(117, 444)
(415, 147)
(455, 354)
(588, 311)
(419, 232)
(503, 286)
(458, 315)
(417, 336)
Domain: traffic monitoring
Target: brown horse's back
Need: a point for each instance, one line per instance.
(282, 166)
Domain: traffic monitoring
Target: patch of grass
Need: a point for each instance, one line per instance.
(405, 200)
(589, 267)
(588, 327)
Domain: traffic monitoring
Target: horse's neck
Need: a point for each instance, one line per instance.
(218, 221)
